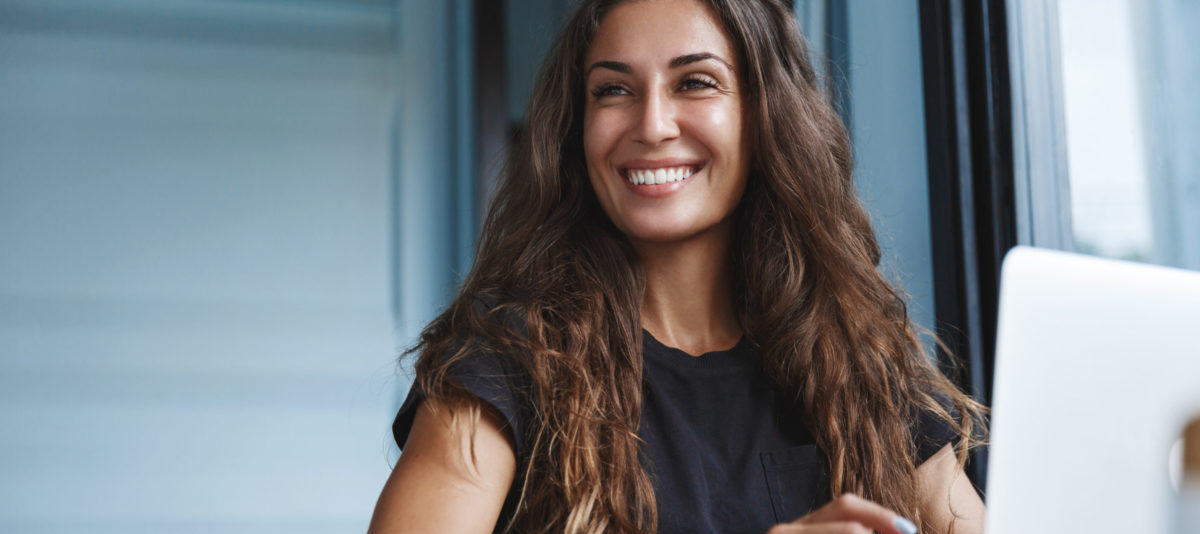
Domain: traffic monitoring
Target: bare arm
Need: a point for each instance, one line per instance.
(948, 501)
(438, 485)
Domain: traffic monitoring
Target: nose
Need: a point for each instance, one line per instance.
(657, 122)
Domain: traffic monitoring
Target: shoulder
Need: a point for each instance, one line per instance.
(477, 368)
(934, 427)
(454, 475)
(496, 380)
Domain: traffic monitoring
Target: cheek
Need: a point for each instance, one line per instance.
(597, 145)
(719, 126)
(600, 132)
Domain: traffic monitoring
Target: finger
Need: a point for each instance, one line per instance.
(850, 507)
(836, 527)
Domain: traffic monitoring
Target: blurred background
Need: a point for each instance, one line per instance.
(222, 221)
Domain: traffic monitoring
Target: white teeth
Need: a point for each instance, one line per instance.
(658, 176)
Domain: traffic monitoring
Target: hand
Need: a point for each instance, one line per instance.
(848, 514)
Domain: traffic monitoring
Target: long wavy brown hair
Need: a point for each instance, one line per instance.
(557, 288)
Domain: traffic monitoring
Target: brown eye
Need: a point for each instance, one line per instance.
(696, 83)
(608, 90)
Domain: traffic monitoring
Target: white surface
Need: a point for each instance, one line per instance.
(1097, 372)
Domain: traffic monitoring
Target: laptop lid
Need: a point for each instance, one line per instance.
(1097, 373)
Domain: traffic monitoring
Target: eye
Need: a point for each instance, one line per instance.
(695, 83)
(609, 90)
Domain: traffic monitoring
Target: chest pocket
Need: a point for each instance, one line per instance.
(797, 481)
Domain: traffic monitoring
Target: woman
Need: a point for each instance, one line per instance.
(681, 189)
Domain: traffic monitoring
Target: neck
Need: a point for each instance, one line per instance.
(688, 302)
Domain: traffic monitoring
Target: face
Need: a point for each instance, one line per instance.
(663, 133)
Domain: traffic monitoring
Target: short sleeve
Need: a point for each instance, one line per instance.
(933, 432)
(495, 379)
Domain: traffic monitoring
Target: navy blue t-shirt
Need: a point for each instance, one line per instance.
(724, 453)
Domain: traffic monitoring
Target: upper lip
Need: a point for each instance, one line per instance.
(664, 163)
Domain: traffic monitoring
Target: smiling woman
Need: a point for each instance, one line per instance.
(663, 132)
(675, 322)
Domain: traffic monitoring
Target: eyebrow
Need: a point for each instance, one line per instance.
(677, 62)
(693, 58)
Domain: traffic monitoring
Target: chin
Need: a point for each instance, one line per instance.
(657, 237)
(660, 231)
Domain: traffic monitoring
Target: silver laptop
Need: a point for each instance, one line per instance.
(1097, 374)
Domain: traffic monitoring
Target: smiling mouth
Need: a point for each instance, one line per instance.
(664, 175)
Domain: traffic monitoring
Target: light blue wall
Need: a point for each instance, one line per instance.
(433, 175)
(530, 26)
(888, 129)
(196, 328)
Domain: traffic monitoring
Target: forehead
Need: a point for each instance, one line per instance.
(651, 32)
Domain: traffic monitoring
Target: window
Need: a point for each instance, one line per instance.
(1128, 185)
